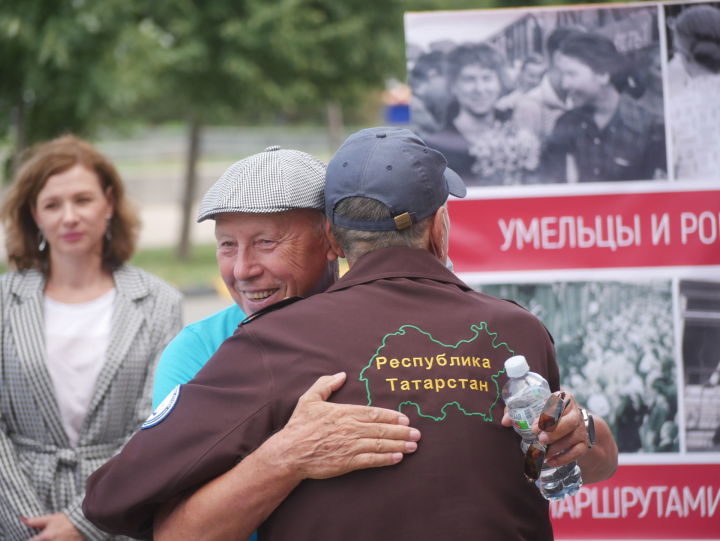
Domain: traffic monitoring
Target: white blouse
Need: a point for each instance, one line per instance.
(694, 114)
(76, 336)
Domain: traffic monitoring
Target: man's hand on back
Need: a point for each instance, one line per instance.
(324, 439)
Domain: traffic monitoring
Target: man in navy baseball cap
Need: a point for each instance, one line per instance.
(385, 187)
(395, 167)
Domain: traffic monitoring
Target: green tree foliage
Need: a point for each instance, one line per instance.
(220, 57)
(57, 65)
(70, 65)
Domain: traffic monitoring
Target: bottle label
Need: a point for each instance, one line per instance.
(522, 418)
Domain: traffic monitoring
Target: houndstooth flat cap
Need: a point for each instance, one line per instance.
(274, 180)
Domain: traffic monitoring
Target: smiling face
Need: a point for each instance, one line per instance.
(582, 84)
(264, 258)
(72, 211)
(477, 89)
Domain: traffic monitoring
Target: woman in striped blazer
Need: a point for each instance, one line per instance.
(80, 334)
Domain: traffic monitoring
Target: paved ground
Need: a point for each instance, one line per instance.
(199, 306)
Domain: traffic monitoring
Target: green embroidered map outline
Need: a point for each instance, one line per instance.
(476, 329)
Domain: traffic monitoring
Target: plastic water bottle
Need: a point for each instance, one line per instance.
(525, 395)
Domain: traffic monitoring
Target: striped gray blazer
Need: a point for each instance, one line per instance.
(39, 472)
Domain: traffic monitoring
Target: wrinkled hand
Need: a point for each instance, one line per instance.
(54, 527)
(568, 440)
(324, 439)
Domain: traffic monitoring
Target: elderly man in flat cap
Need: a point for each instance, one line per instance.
(411, 336)
(271, 245)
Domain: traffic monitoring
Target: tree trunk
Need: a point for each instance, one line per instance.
(334, 125)
(20, 134)
(189, 186)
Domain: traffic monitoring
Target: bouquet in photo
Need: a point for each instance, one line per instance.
(505, 154)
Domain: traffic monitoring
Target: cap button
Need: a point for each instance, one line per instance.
(272, 148)
(381, 135)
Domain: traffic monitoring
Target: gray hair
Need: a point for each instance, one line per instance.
(357, 243)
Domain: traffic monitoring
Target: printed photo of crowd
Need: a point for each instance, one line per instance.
(615, 347)
(516, 97)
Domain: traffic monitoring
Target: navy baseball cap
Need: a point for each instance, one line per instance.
(393, 166)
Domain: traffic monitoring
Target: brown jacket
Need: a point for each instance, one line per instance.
(411, 336)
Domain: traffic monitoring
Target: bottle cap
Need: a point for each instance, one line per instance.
(516, 366)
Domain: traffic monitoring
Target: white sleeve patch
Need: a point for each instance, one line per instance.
(163, 409)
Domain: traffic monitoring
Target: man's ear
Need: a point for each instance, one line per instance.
(439, 232)
(334, 249)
